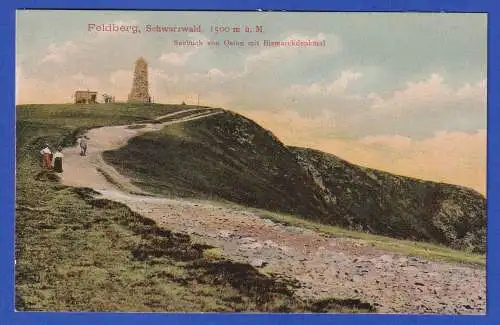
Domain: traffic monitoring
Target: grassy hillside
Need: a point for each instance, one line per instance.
(229, 157)
(224, 156)
(77, 253)
(402, 207)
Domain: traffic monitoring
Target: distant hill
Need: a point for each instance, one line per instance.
(230, 157)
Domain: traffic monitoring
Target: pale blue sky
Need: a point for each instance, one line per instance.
(381, 77)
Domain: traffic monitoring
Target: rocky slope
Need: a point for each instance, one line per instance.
(402, 207)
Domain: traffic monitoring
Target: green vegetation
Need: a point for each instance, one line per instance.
(229, 157)
(75, 252)
(223, 156)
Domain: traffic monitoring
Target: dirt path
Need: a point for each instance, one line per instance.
(325, 267)
(88, 171)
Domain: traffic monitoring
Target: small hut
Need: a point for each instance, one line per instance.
(85, 97)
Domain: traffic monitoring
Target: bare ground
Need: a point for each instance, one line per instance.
(325, 266)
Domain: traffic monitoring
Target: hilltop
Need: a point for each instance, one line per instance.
(221, 157)
(229, 157)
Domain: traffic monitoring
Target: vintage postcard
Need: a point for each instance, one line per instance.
(274, 162)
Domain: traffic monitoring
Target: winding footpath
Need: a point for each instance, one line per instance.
(324, 266)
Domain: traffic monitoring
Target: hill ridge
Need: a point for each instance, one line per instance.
(231, 157)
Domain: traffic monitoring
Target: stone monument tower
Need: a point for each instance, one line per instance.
(140, 87)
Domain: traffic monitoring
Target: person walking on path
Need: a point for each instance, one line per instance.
(83, 146)
(58, 156)
(46, 156)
